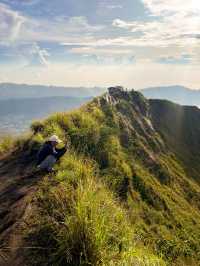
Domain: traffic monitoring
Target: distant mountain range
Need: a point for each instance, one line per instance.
(21, 104)
(177, 94)
(16, 115)
(19, 91)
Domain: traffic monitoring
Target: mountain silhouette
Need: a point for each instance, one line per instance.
(177, 94)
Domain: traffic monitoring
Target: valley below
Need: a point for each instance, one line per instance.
(16, 115)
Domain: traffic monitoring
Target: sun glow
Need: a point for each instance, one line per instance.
(196, 4)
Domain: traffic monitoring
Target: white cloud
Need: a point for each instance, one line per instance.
(106, 8)
(23, 2)
(26, 55)
(131, 76)
(10, 24)
(102, 50)
(172, 25)
(170, 31)
(113, 6)
(58, 29)
(178, 24)
(173, 22)
(168, 7)
(38, 56)
(15, 27)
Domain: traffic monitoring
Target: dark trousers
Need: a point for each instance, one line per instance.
(50, 160)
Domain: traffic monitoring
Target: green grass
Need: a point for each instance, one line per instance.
(82, 222)
(120, 194)
(6, 144)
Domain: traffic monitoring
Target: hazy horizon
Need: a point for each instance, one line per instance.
(100, 87)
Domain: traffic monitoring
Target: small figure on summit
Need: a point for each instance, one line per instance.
(49, 154)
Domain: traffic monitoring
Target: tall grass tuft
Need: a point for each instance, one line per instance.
(6, 144)
(81, 222)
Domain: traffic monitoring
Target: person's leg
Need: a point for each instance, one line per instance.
(48, 163)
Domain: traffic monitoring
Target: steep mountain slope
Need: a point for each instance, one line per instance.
(180, 128)
(127, 188)
(177, 94)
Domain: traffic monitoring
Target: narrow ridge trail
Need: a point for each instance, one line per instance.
(17, 184)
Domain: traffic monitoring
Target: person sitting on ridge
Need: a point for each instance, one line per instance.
(48, 155)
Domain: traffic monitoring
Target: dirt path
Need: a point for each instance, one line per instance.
(17, 185)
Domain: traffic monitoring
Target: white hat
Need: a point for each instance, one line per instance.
(55, 138)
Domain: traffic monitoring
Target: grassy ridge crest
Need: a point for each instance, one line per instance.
(120, 194)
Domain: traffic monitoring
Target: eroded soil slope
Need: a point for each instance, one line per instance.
(17, 184)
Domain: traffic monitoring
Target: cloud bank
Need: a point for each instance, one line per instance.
(73, 48)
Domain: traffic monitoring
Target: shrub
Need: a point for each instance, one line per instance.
(51, 127)
(85, 133)
(64, 120)
(37, 126)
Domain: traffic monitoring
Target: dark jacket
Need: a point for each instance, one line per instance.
(47, 149)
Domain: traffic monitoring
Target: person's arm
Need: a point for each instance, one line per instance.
(60, 152)
(64, 149)
(60, 149)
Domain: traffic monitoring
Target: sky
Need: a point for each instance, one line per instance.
(133, 43)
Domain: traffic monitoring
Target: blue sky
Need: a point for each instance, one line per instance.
(135, 43)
